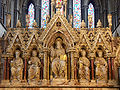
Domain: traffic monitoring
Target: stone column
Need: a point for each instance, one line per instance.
(113, 73)
(52, 8)
(46, 69)
(8, 68)
(109, 65)
(12, 13)
(65, 4)
(70, 7)
(92, 68)
(37, 15)
(85, 14)
(5, 67)
(24, 16)
(92, 58)
(25, 68)
(72, 66)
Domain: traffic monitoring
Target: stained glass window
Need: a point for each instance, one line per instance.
(76, 13)
(91, 15)
(31, 12)
(44, 12)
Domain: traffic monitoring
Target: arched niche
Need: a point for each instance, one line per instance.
(66, 39)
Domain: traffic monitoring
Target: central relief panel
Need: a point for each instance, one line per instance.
(58, 59)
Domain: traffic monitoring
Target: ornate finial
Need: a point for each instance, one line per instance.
(110, 20)
(35, 24)
(47, 19)
(99, 24)
(58, 5)
(83, 25)
(70, 19)
(18, 25)
(27, 20)
(8, 20)
(90, 20)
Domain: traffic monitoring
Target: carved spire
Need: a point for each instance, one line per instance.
(35, 24)
(58, 5)
(27, 20)
(99, 24)
(8, 20)
(110, 20)
(18, 25)
(83, 25)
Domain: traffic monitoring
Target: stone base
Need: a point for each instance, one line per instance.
(73, 82)
(5, 82)
(59, 82)
(34, 82)
(45, 82)
(112, 82)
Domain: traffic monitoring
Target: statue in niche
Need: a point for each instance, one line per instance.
(58, 59)
(34, 67)
(101, 67)
(17, 67)
(84, 64)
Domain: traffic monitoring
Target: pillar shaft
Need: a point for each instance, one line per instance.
(113, 73)
(92, 68)
(109, 63)
(45, 65)
(25, 69)
(5, 65)
(72, 64)
(8, 69)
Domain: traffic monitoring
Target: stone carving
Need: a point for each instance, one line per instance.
(8, 20)
(34, 67)
(84, 71)
(17, 67)
(59, 59)
(71, 19)
(101, 68)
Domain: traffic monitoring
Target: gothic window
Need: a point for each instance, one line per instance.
(31, 12)
(44, 12)
(76, 13)
(91, 16)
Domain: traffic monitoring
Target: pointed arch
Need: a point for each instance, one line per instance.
(91, 15)
(76, 13)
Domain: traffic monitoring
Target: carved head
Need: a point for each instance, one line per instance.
(58, 43)
(17, 53)
(83, 53)
(100, 53)
(34, 53)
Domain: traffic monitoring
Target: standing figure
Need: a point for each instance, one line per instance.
(84, 71)
(34, 67)
(17, 67)
(101, 67)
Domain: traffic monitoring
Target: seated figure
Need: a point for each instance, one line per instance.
(34, 67)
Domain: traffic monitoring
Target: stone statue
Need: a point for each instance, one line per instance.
(8, 20)
(59, 59)
(17, 67)
(101, 67)
(47, 19)
(84, 71)
(34, 67)
(70, 19)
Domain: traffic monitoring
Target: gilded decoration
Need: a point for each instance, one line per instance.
(60, 54)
